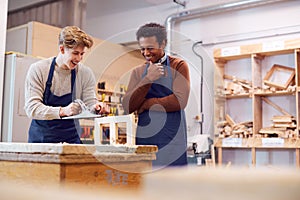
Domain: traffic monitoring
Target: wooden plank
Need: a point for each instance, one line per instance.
(257, 114)
(289, 143)
(229, 120)
(235, 79)
(33, 173)
(245, 52)
(285, 125)
(85, 158)
(270, 130)
(49, 148)
(297, 67)
(275, 106)
(256, 61)
(292, 44)
(277, 93)
(77, 149)
(284, 118)
(213, 155)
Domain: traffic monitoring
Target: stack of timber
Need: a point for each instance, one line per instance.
(229, 128)
(235, 86)
(283, 126)
(268, 89)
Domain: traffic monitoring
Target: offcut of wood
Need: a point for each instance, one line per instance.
(275, 106)
(229, 120)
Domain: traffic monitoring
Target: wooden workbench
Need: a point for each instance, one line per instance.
(94, 166)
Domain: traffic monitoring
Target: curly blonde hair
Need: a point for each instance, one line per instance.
(72, 37)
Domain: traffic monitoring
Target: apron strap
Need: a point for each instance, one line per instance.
(73, 85)
(49, 82)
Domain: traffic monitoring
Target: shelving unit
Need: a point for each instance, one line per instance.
(256, 144)
(100, 92)
(257, 104)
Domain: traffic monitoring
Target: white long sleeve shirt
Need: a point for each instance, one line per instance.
(35, 84)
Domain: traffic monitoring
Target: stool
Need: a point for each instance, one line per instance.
(113, 128)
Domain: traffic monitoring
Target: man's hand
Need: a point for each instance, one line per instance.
(155, 71)
(101, 108)
(71, 109)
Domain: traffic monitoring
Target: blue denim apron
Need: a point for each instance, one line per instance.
(167, 130)
(57, 130)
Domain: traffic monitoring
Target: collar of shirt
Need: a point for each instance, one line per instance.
(163, 59)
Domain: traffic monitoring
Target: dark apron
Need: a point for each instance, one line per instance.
(57, 130)
(167, 130)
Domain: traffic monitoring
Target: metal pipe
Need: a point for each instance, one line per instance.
(210, 10)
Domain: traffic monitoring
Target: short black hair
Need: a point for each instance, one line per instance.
(152, 29)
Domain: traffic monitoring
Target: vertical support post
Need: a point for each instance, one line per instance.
(253, 156)
(130, 130)
(213, 155)
(297, 157)
(113, 133)
(220, 156)
(97, 133)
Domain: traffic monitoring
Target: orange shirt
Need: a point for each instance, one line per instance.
(134, 99)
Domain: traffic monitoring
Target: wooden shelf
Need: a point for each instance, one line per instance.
(110, 92)
(290, 143)
(245, 51)
(237, 96)
(111, 103)
(254, 144)
(278, 93)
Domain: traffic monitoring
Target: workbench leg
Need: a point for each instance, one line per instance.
(213, 155)
(253, 156)
(298, 158)
(220, 156)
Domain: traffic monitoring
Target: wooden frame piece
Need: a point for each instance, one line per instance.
(279, 76)
(113, 127)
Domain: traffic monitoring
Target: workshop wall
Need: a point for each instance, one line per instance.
(267, 22)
